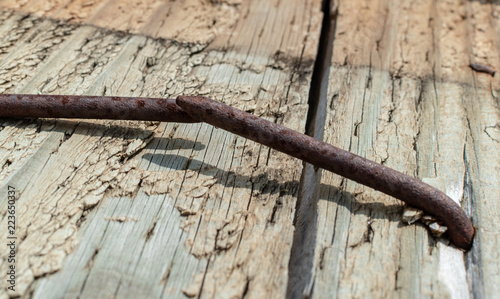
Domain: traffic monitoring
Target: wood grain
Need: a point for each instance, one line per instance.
(401, 93)
(142, 209)
(146, 209)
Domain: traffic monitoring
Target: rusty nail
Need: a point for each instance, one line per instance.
(91, 107)
(196, 109)
(482, 69)
(321, 154)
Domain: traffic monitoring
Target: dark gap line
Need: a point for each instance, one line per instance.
(319, 82)
(300, 267)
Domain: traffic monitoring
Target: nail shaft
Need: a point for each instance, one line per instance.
(197, 109)
(91, 107)
(410, 190)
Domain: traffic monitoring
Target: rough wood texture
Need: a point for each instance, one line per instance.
(401, 93)
(140, 209)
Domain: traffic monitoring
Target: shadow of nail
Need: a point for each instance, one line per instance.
(165, 143)
(82, 127)
(373, 210)
(261, 183)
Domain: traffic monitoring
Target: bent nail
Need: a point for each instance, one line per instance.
(190, 109)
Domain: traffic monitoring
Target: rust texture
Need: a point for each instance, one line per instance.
(389, 181)
(190, 109)
(482, 69)
(91, 107)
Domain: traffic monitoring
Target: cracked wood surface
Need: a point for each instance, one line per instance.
(145, 209)
(401, 88)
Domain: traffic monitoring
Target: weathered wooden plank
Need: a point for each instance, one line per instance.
(194, 21)
(218, 206)
(401, 93)
(148, 209)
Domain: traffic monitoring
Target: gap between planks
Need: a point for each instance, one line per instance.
(301, 263)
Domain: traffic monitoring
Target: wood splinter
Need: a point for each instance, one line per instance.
(192, 109)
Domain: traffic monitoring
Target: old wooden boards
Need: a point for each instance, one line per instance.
(144, 209)
(137, 209)
(401, 85)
